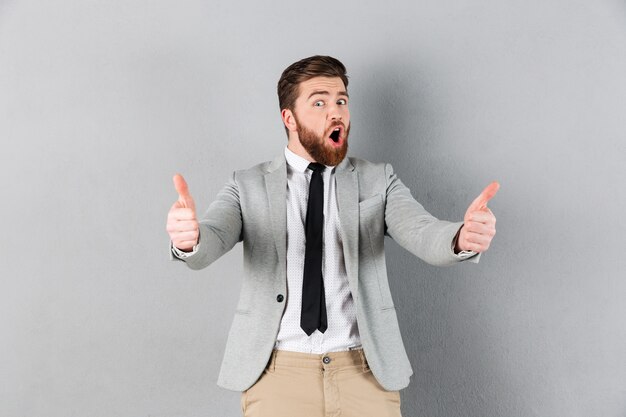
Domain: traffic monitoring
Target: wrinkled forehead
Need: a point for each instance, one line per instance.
(322, 85)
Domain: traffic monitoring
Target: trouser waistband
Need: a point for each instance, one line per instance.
(324, 361)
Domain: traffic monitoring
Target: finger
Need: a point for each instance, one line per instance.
(475, 247)
(485, 217)
(185, 246)
(488, 193)
(478, 238)
(183, 191)
(181, 185)
(182, 226)
(184, 236)
(177, 214)
(480, 228)
(478, 247)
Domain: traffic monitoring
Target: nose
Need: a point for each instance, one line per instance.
(334, 113)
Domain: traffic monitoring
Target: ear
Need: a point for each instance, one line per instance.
(289, 120)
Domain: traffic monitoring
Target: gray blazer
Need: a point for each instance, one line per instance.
(372, 203)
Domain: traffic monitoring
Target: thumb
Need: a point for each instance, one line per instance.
(183, 192)
(480, 203)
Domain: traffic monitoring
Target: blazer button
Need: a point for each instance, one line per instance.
(280, 298)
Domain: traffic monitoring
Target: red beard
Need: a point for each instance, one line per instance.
(319, 149)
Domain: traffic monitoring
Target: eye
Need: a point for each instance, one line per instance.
(342, 101)
(318, 103)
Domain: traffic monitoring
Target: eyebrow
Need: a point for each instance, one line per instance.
(324, 92)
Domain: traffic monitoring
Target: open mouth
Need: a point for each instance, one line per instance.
(335, 134)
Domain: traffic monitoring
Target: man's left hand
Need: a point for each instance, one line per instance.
(479, 226)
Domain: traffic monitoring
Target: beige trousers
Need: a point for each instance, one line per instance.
(330, 385)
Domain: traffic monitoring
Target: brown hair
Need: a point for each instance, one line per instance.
(303, 70)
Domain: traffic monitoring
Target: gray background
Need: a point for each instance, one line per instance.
(101, 102)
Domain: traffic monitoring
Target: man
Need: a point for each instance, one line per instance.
(315, 331)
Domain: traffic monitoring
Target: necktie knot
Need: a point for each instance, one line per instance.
(316, 167)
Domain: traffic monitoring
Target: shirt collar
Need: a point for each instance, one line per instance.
(299, 163)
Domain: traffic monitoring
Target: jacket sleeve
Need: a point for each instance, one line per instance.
(415, 229)
(220, 227)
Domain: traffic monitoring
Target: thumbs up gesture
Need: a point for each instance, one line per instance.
(182, 224)
(479, 226)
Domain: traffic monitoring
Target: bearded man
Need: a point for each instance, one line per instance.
(315, 331)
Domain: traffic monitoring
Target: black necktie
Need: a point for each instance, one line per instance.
(313, 314)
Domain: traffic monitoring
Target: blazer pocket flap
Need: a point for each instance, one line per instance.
(371, 202)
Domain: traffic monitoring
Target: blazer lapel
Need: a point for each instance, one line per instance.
(276, 187)
(348, 205)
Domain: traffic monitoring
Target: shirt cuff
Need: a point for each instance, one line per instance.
(464, 254)
(182, 255)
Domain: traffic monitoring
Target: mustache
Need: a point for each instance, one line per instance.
(337, 123)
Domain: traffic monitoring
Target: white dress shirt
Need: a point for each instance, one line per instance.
(342, 332)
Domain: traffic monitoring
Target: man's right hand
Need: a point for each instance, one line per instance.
(182, 224)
